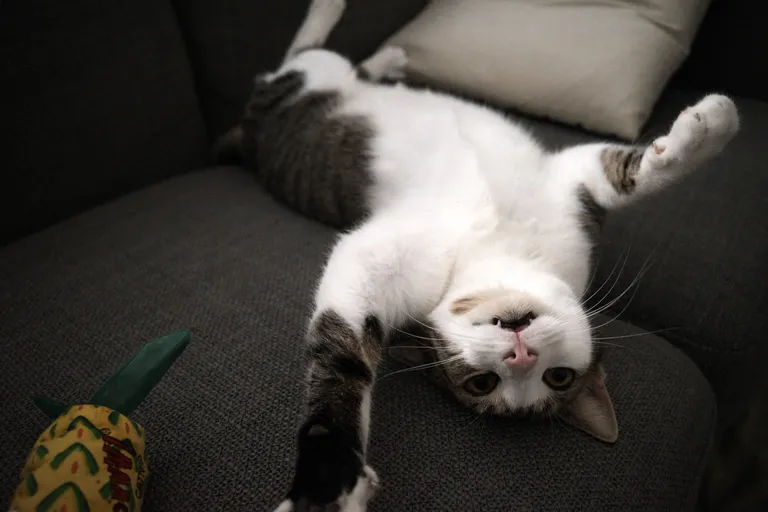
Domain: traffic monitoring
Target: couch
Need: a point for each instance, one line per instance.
(116, 228)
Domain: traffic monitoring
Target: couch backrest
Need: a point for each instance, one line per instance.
(231, 40)
(96, 99)
(728, 54)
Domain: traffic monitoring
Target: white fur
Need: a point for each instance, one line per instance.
(354, 501)
(465, 201)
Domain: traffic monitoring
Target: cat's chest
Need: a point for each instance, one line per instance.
(548, 236)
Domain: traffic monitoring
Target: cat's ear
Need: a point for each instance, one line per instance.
(592, 409)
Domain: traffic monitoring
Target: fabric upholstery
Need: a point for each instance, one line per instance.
(97, 99)
(730, 28)
(232, 40)
(600, 65)
(704, 246)
(210, 252)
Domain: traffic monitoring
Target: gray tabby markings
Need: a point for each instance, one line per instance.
(334, 345)
(342, 367)
(305, 153)
(331, 444)
(621, 164)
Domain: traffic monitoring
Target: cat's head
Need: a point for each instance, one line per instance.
(517, 352)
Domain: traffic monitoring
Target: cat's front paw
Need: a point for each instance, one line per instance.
(356, 500)
(331, 475)
(699, 132)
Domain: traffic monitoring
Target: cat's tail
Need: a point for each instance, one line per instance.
(228, 149)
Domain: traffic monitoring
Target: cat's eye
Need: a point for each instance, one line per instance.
(481, 384)
(559, 378)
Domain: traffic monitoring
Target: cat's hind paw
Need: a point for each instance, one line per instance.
(698, 133)
(388, 63)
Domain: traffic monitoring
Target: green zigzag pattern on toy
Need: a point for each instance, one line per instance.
(31, 483)
(50, 500)
(41, 452)
(90, 461)
(85, 422)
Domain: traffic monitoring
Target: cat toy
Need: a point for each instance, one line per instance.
(92, 456)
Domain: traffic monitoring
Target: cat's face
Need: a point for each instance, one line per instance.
(518, 353)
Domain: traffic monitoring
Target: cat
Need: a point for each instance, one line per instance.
(454, 218)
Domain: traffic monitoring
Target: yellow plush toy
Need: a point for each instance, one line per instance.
(92, 457)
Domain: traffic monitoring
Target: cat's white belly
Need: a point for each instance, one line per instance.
(427, 141)
(462, 169)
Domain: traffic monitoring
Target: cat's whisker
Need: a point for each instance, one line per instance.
(409, 334)
(476, 419)
(585, 301)
(637, 334)
(420, 367)
(616, 345)
(615, 282)
(614, 301)
(643, 269)
(595, 267)
(431, 328)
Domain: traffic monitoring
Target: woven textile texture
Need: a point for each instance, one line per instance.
(209, 251)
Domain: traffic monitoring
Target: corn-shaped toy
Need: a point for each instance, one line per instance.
(92, 456)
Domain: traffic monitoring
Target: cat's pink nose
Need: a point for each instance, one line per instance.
(521, 357)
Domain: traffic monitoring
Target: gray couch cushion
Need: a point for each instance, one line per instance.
(705, 241)
(209, 251)
(97, 99)
(229, 42)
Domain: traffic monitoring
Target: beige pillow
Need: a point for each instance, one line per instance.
(601, 64)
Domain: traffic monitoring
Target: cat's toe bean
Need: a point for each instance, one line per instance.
(657, 154)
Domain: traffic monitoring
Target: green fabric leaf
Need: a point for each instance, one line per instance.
(127, 388)
(50, 407)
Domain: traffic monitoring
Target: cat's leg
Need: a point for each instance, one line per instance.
(388, 63)
(325, 69)
(274, 89)
(320, 19)
(616, 174)
(356, 301)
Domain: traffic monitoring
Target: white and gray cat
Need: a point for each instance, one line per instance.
(455, 219)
